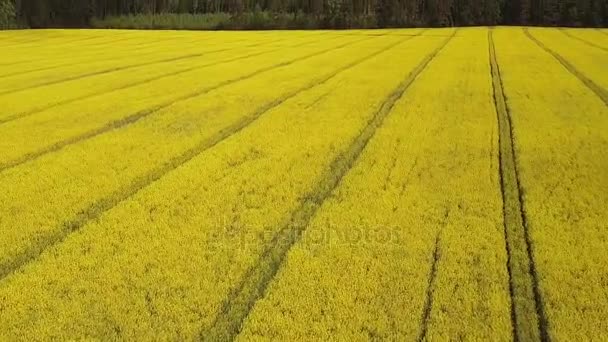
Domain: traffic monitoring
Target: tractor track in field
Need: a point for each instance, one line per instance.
(102, 72)
(62, 43)
(68, 63)
(62, 65)
(13, 63)
(101, 206)
(138, 46)
(81, 39)
(18, 44)
(584, 41)
(144, 81)
(24, 72)
(67, 57)
(527, 308)
(147, 54)
(130, 119)
(240, 301)
(597, 89)
(430, 287)
(126, 86)
(109, 70)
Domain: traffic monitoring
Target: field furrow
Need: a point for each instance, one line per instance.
(34, 83)
(206, 121)
(529, 319)
(226, 194)
(241, 300)
(62, 50)
(589, 37)
(399, 251)
(63, 63)
(96, 40)
(587, 65)
(46, 38)
(23, 74)
(430, 289)
(63, 93)
(560, 140)
(67, 125)
(304, 185)
(100, 65)
(125, 43)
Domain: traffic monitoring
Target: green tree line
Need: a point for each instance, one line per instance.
(7, 14)
(310, 13)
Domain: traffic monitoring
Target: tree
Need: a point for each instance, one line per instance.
(329, 13)
(8, 18)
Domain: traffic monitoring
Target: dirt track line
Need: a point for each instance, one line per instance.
(144, 81)
(52, 53)
(123, 67)
(564, 31)
(64, 61)
(145, 44)
(148, 111)
(102, 72)
(117, 124)
(527, 310)
(23, 72)
(92, 56)
(13, 63)
(46, 57)
(239, 303)
(19, 44)
(430, 289)
(18, 47)
(151, 53)
(148, 80)
(598, 90)
(99, 207)
(130, 85)
(29, 43)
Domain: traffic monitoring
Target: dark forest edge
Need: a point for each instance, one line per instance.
(298, 14)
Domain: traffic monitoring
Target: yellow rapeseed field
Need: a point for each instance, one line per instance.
(398, 184)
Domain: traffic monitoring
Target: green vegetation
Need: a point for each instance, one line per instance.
(305, 14)
(7, 14)
(222, 21)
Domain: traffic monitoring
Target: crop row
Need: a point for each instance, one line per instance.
(560, 140)
(108, 62)
(56, 127)
(155, 140)
(155, 253)
(70, 91)
(434, 264)
(301, 188)
(126, 41)
(588, 63)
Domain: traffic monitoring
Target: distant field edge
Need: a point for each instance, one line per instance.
(155, 26)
